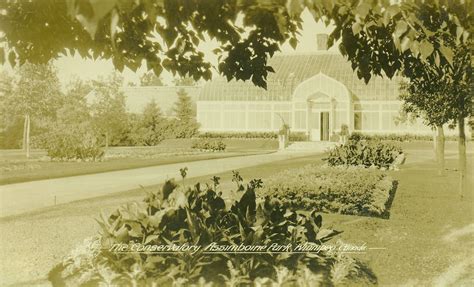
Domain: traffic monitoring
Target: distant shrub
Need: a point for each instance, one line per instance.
(341, 190)
(298, 136)
(364, 153)
(209, 145)
(356, 136)
(78, 142)
(183, 130)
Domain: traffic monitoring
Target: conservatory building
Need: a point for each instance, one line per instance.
(313, 93)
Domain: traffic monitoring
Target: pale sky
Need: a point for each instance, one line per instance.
(69, 67)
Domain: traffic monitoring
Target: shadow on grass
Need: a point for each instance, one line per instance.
(391, 197)
(365, 276)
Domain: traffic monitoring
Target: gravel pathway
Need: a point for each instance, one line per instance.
(28, 196)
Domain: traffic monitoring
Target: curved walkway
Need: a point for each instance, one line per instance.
(28, 196)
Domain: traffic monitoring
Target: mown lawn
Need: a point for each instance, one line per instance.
(14, 168)
(429, 238)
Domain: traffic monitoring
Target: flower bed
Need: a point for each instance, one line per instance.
(367, 154)
(338, 190)
(147, 152)
(199, 216)
(204, 144)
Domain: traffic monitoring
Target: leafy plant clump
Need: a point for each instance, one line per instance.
(367, 154)
(337, 190)
(200, 216)
(209, 145)
(72, 142)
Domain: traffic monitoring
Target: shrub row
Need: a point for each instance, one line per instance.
(395, 137)
(298, 137)
(144, 153)
(199, 216)
(294, 136)
(240, 135)
(301, 136)
(365, 153)
(139, 134)
(340, 190)
(205, 144)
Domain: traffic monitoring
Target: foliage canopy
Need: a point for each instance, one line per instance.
(375, 35)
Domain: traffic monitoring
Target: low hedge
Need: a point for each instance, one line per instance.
(337, 190)
(294, 136)
(301, 136)
(209, 144)
(239, 135)
(395, 137)
(298, 137)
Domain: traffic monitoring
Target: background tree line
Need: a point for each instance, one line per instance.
(84, 115)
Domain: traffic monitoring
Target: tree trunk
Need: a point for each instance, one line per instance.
(435, 143)
(106, 140)
(23, 143)
(462, 157)
(440, 149)
(26, 136)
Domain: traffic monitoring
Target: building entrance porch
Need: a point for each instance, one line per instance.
(327, 106)
(319, 126)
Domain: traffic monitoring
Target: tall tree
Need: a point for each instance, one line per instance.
(6, 92)
(153, 124)
(108, 108)
(183, 109)
(427, 41)
(36, 97)
(75, 107)
(442, 98)
(152, 115)
(71, 134)
(440, 87)
(9, 127)
(185, 114)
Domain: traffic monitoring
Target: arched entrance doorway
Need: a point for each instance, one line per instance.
(328, 106)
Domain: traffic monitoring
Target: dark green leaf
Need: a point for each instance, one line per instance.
(293, 43)
(426, 49)
(447, 54)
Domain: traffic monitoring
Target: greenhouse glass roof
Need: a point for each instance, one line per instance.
(291, 70)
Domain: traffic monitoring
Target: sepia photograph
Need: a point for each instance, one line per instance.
(236, 143)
